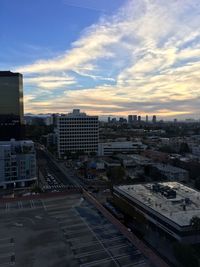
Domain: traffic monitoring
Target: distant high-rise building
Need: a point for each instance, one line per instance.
(77, 132)
(134, 118)
(122, 120)
(147, 118)
(114, 120)
(11, 106)
(109, 119)
(139, 118)
(130, 118)
(154, 119)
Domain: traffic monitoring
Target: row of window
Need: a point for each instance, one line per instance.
(78, 145)
(78, 138)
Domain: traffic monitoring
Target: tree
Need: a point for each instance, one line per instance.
(116, 174)
(185, 255)
(184, 148)
(36, 189)
(167, 149)
(195, 223)
(197, 183)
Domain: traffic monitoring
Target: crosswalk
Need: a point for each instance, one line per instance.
(48, 187)
(59, 187)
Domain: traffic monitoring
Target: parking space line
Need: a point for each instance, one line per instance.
(138, 263)
(125, 254)
(102, 226)
(119, 246)
(6, 245)
(74, 232)
(8, 254)
(70, 218)
(86, 254)
(76, 238)
(57, 212)
(71, 221)
(85, 245)
(5, 238)
(66, 207)
(72, 227)
(43, 204)
(97, 262)
(112, 239)
(7, 207)
(20, 206)
(94, 234)
(7, 264)
(32, 204)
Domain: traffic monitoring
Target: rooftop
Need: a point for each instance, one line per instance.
(178, 208)
(169, 168)
(76, 114)
(8, 74)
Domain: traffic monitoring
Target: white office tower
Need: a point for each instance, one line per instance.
(77, 132)
(17, 163)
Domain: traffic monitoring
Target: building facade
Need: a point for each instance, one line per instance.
(17, 163)
(110, 148)
(165, 207)
(170, 172)
(77, 132)
(11, 106)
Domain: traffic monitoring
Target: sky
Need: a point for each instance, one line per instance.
(115, 57)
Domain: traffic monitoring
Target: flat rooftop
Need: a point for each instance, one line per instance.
(179, 209)
(62, 231)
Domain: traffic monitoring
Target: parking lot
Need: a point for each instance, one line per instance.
(62, 231)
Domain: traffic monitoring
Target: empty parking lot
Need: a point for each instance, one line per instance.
(62, 231)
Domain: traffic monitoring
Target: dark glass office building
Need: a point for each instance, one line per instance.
(11, 106)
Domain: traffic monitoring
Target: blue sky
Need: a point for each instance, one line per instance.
(113, 57)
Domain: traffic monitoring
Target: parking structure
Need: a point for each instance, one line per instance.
(62, 231)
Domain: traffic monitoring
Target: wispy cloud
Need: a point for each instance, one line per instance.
(145, 58)
(50, 81)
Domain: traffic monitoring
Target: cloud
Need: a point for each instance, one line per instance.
(50, 82)
(149, 52)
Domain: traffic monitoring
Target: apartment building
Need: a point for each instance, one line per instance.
(17, 163)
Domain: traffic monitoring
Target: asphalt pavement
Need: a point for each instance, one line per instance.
(47, 164)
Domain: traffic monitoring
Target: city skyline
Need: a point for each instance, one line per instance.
(121, 58)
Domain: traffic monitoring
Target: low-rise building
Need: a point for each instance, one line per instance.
(171, 173)
(109, 162)
(110, 148)
(133, 160)
(155, 155)
(17, 163)
(168, 206)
